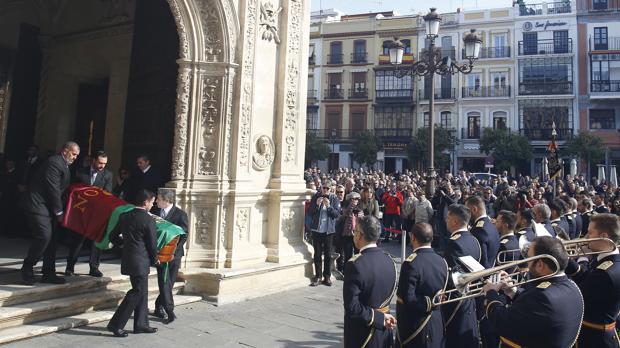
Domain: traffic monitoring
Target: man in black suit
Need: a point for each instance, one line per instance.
(139, 240)
(164, 305)
(145, 177)
(95, 175)
(28, 167)
(422, 275)
(369, 285)
(42, 205)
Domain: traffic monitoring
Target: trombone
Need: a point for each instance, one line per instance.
(469, 285)
(575, 248)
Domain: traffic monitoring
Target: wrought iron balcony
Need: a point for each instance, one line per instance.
(485, 92)
(394, 134)
(440, 93)
(335, 59)
(358, 93)
(549, 46)
(544, 134)
(359, 57)
(491, 52)
(612, 43)
(545, 8)
(605, 86)
(545, 88)
(334, 93)
(336, 135)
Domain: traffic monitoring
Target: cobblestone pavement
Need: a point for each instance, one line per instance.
(305, 317)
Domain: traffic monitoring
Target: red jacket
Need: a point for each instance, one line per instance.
(392, 203)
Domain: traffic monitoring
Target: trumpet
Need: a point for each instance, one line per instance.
(580, 247)
(470, 285)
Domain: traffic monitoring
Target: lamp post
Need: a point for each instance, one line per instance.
(430, 64)
(332, 138)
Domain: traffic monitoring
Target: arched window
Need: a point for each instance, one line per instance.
(500, 120)
(473, 125)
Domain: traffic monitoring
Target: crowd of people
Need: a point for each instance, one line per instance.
(33, 194)
(570, 298)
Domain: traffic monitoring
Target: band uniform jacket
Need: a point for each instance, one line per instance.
(550, 228)
(48, 184)
(369, 282)
(507, 243)
(422, 276)
(601, 209)
(585, 217)
(547, 314)
(102, 180)
(488, 237)
(578, 222)
(139, 241)
(178, 217)
(525, 236)
(600, 285)
(460, 318)
(560, 225)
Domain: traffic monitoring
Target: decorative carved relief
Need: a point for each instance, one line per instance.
(223, 229)
(229, 116)
(265, 153)
(210, 120)
(181, 117)
(247, 84)
(212, 29)
(204, 223)
(269, 22)
(231, 28)
(182, 31)
(289, 224)
(292, 80)
(242, 223)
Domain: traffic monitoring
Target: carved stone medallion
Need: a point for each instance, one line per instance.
(264, 153)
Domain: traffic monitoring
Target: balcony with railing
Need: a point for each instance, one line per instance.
(384, 59)
(605, 86)
(336, 135)
(440, 93)
(548, 8)
(544, 134)
(612, 43)
(394, 95)
(335, 59)
(547, 88)
(359, 57)
(594, 6)
(333, 94)
(358, 93)
(491, 52)
(549, 46)
(394, 134)
(485, 92)
(312, 94)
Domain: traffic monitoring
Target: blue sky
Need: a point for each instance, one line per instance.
(406, 7)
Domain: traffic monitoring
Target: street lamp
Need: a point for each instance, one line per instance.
(332, 138)
(430, 64)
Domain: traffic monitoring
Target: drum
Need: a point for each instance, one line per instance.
(166, 254)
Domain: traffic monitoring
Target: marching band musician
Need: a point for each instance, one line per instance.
(460, 320)
(525, 227)
(369, 286)
(505, 223)
(548, 312)
(586, 209)
(558, 222)
(422, 275)
(484, 230)
(600, 284)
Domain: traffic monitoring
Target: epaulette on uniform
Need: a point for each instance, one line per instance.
(411, 257)
(521, 232)
(455, 236)
(543, 285)
(504, 241)
(480, 223)
(605, 265)
(355, 257)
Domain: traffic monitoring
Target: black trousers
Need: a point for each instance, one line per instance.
(77, 241)
(347, 247)
(165, 299)
(322, 243)
(136, 302)
(44, 231)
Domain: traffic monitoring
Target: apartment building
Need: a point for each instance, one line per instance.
(486, 96)
(598, 23)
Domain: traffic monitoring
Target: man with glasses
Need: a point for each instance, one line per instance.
(324, 210)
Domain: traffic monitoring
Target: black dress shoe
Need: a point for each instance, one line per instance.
(52, 279)
(117, 332)
(171, 316)
(94, 272)
(145, 330)
(327, 282)
(27, 275)
(159, 313)
(315, 281)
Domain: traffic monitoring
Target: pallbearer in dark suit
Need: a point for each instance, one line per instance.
(44, 208)
(95, 175)
(145, 177)
(139, 240)
(484, 230)
(164, 305)
(599, 282)
(369, 285)
(547, 313)
(460, 318)
(422, 276)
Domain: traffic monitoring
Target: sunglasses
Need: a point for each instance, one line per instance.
(339, 191)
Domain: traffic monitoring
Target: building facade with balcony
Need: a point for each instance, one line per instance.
(486, 96)
(598, 23)
(546, 76)
(315, 55)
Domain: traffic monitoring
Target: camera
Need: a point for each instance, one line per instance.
(356, 211)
